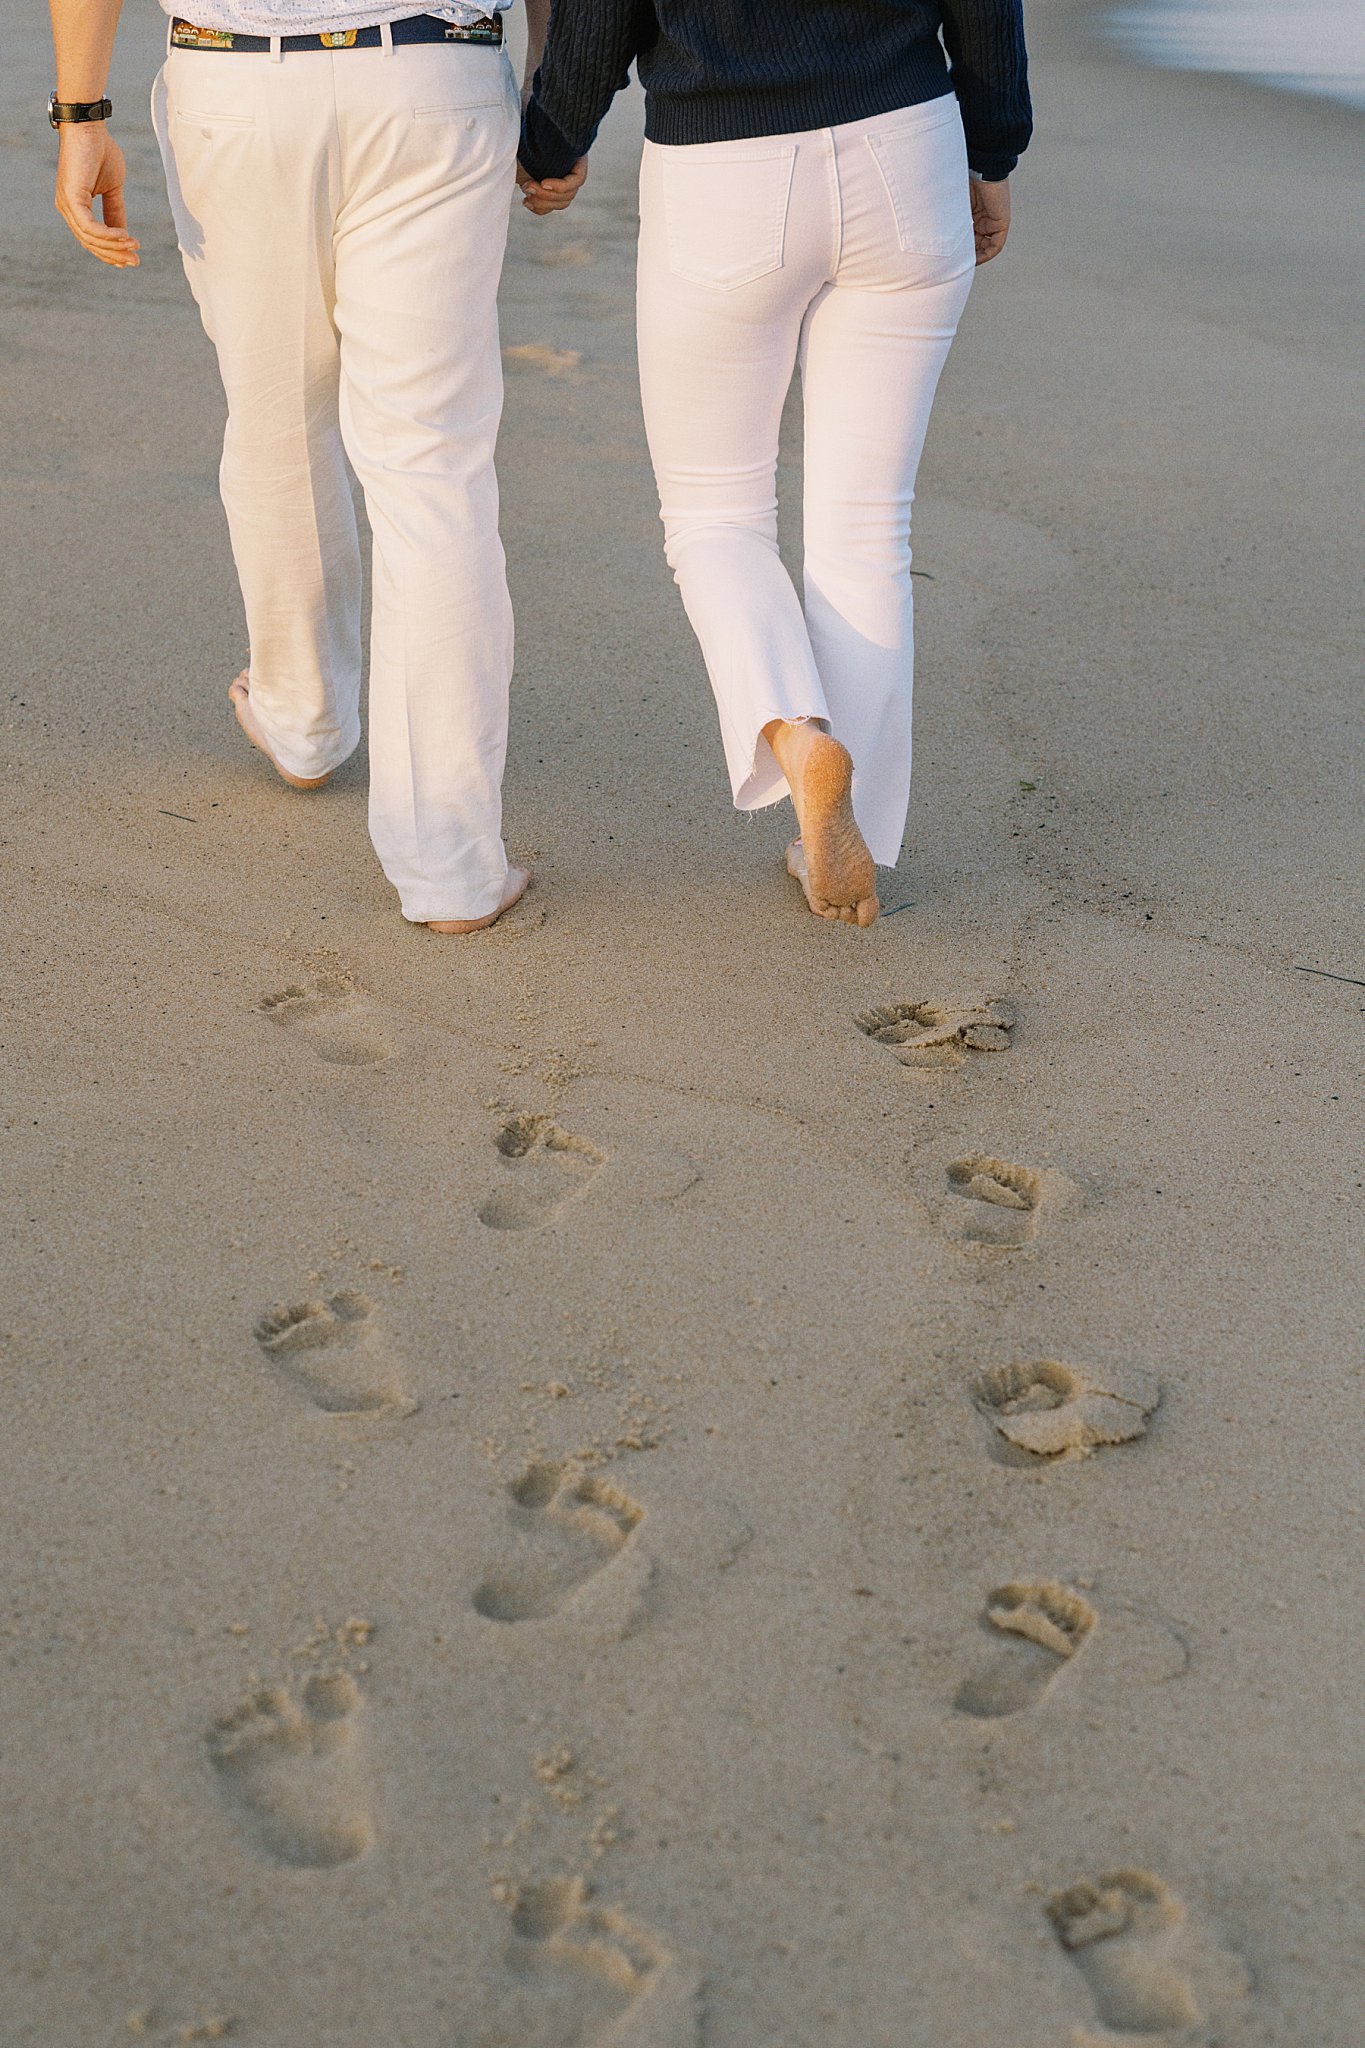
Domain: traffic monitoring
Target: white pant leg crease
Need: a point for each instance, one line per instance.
(245, 145)
(419, 254)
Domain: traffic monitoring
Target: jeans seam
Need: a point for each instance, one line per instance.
(837, 196)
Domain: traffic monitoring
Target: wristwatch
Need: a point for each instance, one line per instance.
(59, 111)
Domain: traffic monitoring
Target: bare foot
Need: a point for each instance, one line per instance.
(240, 692)
(830, 859)
(518, 881)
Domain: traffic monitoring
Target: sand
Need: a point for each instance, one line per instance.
(559, 1492)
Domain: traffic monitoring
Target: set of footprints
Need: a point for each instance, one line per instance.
(540, 1168)
(1007, 1201)
(290, 1763)
(564, 1524)
(291, 1760)
(1151, 1971)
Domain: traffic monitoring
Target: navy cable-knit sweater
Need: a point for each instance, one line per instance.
(719, 70)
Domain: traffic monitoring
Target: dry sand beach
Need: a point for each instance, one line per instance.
(673, 1474)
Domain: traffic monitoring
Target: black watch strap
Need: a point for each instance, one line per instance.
(61, 111)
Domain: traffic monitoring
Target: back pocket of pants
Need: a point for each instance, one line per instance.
(923, 167)
(456, 109)
(212, 117)
(726, 212)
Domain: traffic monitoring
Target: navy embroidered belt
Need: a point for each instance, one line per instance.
(417, 28)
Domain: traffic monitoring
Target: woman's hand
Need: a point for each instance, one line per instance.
(990, 216)
(90, 166)
(551, 195)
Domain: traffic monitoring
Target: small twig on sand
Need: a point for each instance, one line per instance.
(178, 814)
(907, 905)
(1328, 975)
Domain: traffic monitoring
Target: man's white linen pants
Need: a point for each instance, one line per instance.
(342, 216)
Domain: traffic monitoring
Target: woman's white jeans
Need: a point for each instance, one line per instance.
(849, 249)
(342, 218)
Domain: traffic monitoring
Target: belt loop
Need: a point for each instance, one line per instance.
(276, 54)
(386, 38)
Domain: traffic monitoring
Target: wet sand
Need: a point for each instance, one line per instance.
(671, 1473)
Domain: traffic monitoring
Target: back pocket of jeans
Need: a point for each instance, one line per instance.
(726, 212)
(923, 167)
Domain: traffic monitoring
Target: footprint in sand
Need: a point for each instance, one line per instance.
(1006, 1201)
(292, 1770)
(335, 1352)
(937, 1035)
(331, 1019)
(540, 1168)
(566, 1525)
(599, 1980)
(1047, 1624)
(1050, 1410)
(1150, 1971)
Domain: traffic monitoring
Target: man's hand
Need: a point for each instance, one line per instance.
(90, 167)
(990, 216)
(551, 195)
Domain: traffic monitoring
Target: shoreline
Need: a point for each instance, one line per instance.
(1190, 40)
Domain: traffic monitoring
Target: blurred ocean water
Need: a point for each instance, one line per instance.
(1313, 46)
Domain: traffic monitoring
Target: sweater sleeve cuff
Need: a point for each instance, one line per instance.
(991, 168)
(545, 152)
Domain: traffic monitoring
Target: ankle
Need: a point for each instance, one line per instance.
(791, 740)
(778, 729)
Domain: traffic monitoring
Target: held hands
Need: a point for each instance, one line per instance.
(90, 166)
(551, 195)
(990, 216)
